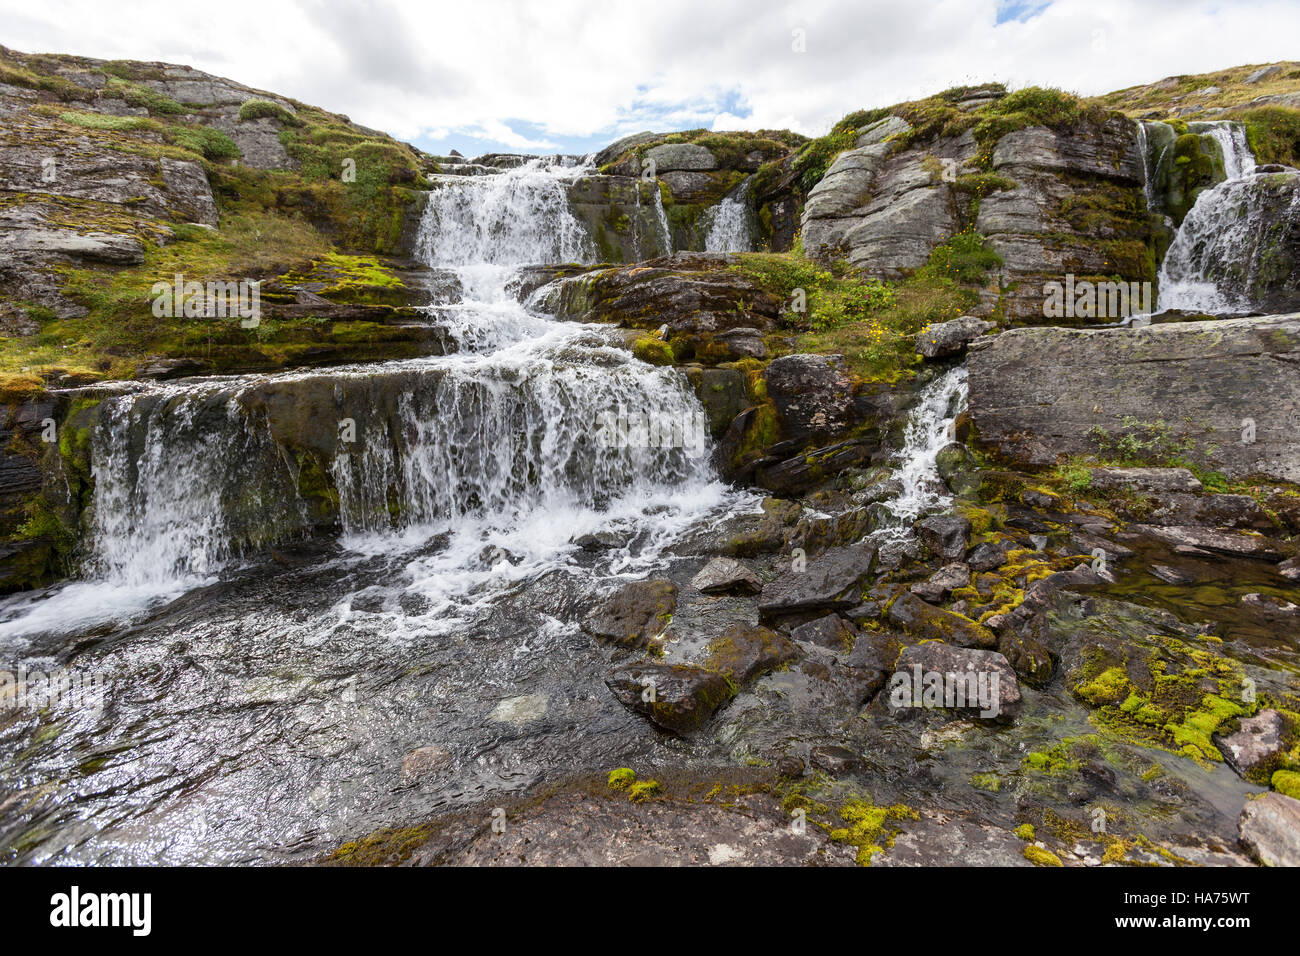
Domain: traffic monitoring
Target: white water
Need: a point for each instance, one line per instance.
(929, 429)
(493, 451)
(729, 229)
(1221, 233)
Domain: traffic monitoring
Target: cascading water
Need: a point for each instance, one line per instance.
(928, 430)
(1222, 248)
(729, 226)
(499, 447)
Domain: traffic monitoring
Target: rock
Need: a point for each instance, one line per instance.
(676, 697)
(830, 581)
(1270, 829)
(519, 711)
(744, 652)
(950, 338)
(1036, 394)
(951, 459)
(633, 614)
(723, 575)
(790, 768)
(986, 557)
(1163, 480)
(1255, 745)
(813, 394)
(836, 761)
(1270, 605)
(804, 472)
(1028, 657)
(1290, 569)
(1171, 575)
(673, 156)
(935, 674)
(600, 541)
(1200, 540)
(1263, 73)
(945, 535)
(942, 583)
(423, 761)
(829, 630)
(924, 620)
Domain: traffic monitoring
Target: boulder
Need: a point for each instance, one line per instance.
(935, 674)
(926, 621)
(1254, 747)
(724, 575)
(680, 156)
(950, 338)
(744, 651)
(945, 535)
(829, 630)
(1036, 394)
(830, 581)
(633, 614)
(1270, 829)
(813, 394)
(942, 583)
(675, 697)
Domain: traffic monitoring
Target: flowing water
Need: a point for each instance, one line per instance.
(256, 709)
(1220, 248)
(730, 229)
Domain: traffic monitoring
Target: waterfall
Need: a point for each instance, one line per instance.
(530, 433)
(729, 226)
(929, 429)
(1214, 261)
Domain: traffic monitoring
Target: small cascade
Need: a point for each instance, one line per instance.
(929, 429)
(1223, 252)
(729, 223)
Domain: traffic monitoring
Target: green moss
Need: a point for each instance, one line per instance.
(1040, 857)
(643, 790)
(1025, 831)
(621, 778)
(259, 108)
(1287, 782)
(986, 781)
(653, 350)
(866, 828)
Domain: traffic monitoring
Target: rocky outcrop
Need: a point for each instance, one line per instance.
(1227, 390)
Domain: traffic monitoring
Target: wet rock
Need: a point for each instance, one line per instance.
(1144, 479)
(836, 761)
(1270, 829)
(675, 697)
(1253, 748)
(600, 541)
(743, 652)
(727, 575)
(1290, 569)
(924, 620)
(423, 761)
(942, 583)
(829, 581)
(1200, 540)
(945, 535)
(1028, 657)
(806, 471)
(950, 338)
(633, 614)
(940, 838)
(519, 711)
(830, 630)
(934, 674)
(1171, 575)
(1186, 510)
(813, 394)
(816, 533)
(1269, 605)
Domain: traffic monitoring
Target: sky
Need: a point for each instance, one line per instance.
(573, 75)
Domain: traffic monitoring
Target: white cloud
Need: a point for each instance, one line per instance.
(547, 76)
